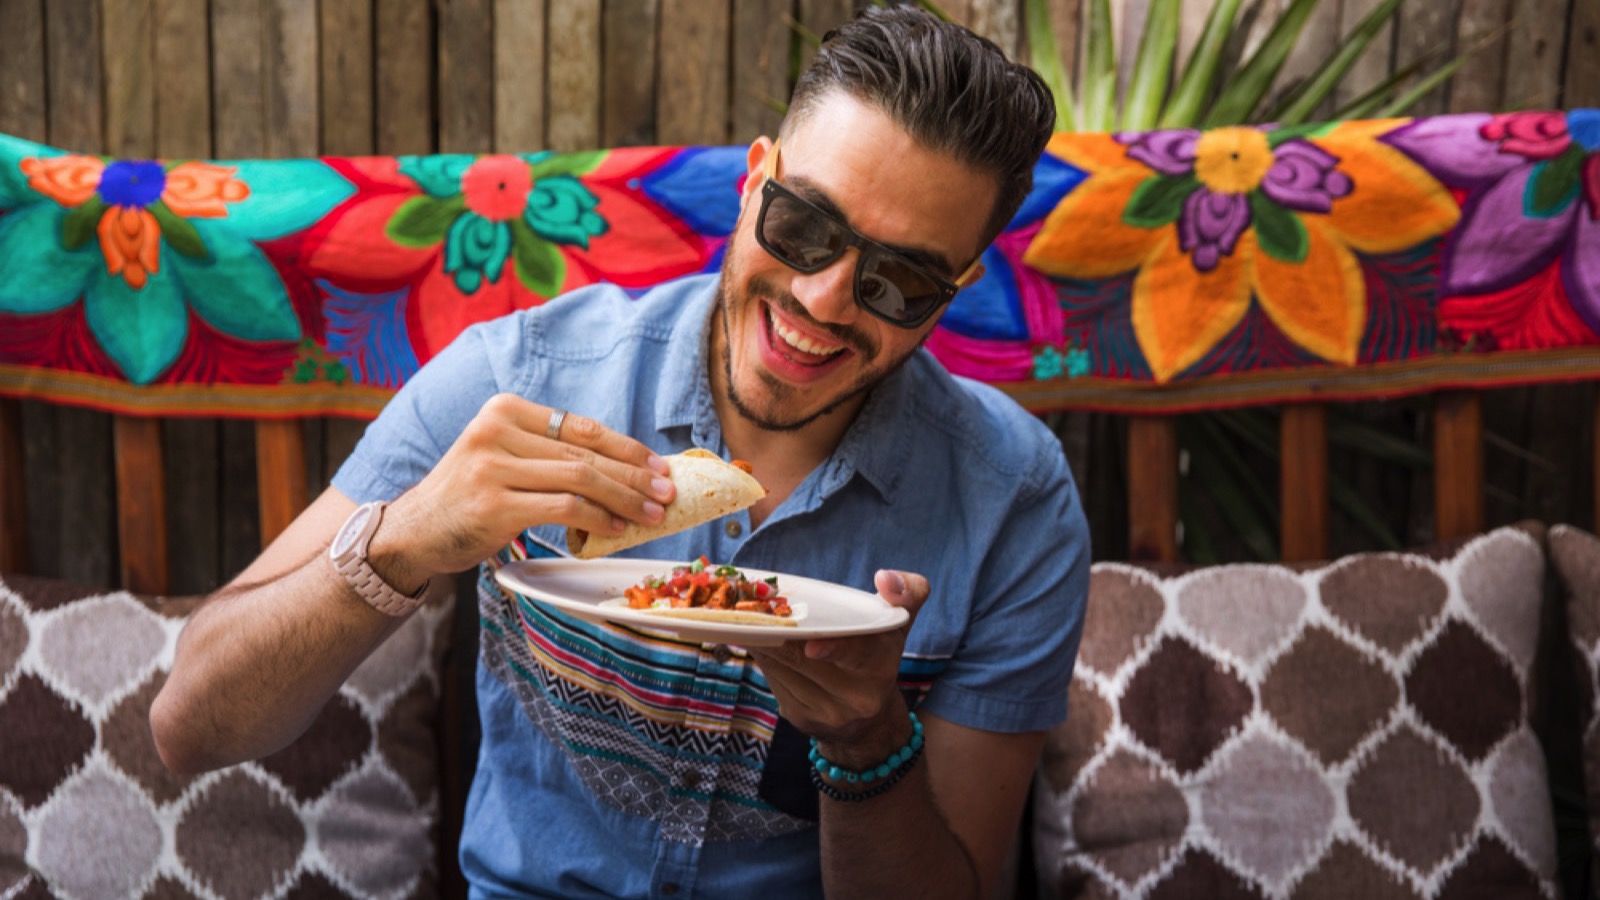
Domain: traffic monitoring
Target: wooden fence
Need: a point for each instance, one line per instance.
(242, 78)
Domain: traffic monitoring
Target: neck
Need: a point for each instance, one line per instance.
(780, 459)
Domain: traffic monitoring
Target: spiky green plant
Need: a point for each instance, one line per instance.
(1211, 90)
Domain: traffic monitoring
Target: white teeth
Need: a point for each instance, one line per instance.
(799, 341)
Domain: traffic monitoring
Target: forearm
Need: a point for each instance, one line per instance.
(257, 663)
(896, 844)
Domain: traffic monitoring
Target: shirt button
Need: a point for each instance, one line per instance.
(691, 779)
(733, 528)
(721, 653)
(669, 888)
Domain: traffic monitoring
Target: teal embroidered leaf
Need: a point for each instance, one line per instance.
(179, 233)
(1159, 200)
(1279, 231)
(79, 224)
(539, 265)
(1554, 184)
(423, 222)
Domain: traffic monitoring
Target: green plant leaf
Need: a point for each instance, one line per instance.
(1373, 99)
(1236, 490)
(178, 232)
(1158, 200)
(1279, 231)
(1359, 437)
(1348, 500)
(1243, 92)
(1098, 87)
(1316, 89)
(1199, 76)
(424, 221)
(1044, 56)
(1147, 88)
(1401, 104)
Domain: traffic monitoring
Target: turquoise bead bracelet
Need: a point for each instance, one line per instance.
(901, 757)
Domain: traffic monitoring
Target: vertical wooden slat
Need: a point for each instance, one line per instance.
(404, 77)
(1583, 57)
(281, 474)
(999, 21)
(760, 68)
(1458, 464)
(692, 96)
(346, 78)
(289, 64)
(466, 76)
(190, 446)
(141, 505)
(130, 81)
(13, 491)
(1373, 66)
(1152, 488)
(519, 76)
(238, 68)
(1303, 442)
(1424, 29)
(348, 129)
(1480, 86)
(22, 113)
(140, 468)
(84, 544)
(573, 103)
(818, 16)
(630, 72)
(1534, 47)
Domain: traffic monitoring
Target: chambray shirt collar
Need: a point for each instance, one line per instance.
(872, 447)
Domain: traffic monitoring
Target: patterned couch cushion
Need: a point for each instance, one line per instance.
(87, 810)
(1358, 728)
(1576, 556)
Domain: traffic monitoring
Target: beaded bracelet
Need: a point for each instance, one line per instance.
(890, 770)
(882, 787)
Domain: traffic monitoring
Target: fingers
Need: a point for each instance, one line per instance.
(612, 472)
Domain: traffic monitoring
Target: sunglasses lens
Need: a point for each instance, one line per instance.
(799, 235)
(895, 290)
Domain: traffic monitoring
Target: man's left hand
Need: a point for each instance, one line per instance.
(845, 691)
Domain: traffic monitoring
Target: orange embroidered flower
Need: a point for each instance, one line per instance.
(1210, 222)
(130, 237)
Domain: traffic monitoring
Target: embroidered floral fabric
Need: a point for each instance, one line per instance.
(1154, 270)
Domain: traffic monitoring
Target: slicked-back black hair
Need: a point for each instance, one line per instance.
(953, 91)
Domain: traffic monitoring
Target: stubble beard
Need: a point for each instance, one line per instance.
(780, 391)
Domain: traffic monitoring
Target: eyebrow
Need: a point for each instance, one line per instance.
(806, 188)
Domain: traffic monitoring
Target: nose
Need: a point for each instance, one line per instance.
(829, 294)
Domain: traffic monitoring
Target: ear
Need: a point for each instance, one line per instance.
(755, 163)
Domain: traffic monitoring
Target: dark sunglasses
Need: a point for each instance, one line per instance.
(808, 239)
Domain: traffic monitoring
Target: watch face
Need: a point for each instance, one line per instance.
(347, 535)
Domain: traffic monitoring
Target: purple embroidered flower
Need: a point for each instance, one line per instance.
(1168, 152)
(1211, 225)
(1305, 177)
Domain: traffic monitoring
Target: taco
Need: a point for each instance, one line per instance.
(708, 488)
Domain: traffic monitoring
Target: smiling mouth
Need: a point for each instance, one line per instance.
(803, 347)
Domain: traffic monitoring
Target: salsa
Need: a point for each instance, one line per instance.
(699, 585)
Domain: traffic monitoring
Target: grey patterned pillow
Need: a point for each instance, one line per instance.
(1358, 728)
(87, 810)
(1575, 554)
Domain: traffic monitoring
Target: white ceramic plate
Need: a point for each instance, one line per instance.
(583, 587)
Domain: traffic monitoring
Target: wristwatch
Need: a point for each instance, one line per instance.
(348, 552)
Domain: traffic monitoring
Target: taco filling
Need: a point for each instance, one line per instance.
(717, 592)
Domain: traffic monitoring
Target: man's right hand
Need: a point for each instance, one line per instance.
(504, 474)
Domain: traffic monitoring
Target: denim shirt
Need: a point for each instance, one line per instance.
(616, 763)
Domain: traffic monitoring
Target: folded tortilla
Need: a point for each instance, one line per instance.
(708, 488)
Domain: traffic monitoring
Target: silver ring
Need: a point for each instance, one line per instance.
(553, 430)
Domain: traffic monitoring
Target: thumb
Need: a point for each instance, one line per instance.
(906, 590)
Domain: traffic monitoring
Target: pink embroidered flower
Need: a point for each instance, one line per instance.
(496, 187)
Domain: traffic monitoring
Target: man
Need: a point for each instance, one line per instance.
(615, 763)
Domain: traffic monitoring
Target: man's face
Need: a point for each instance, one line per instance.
(796, 346)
